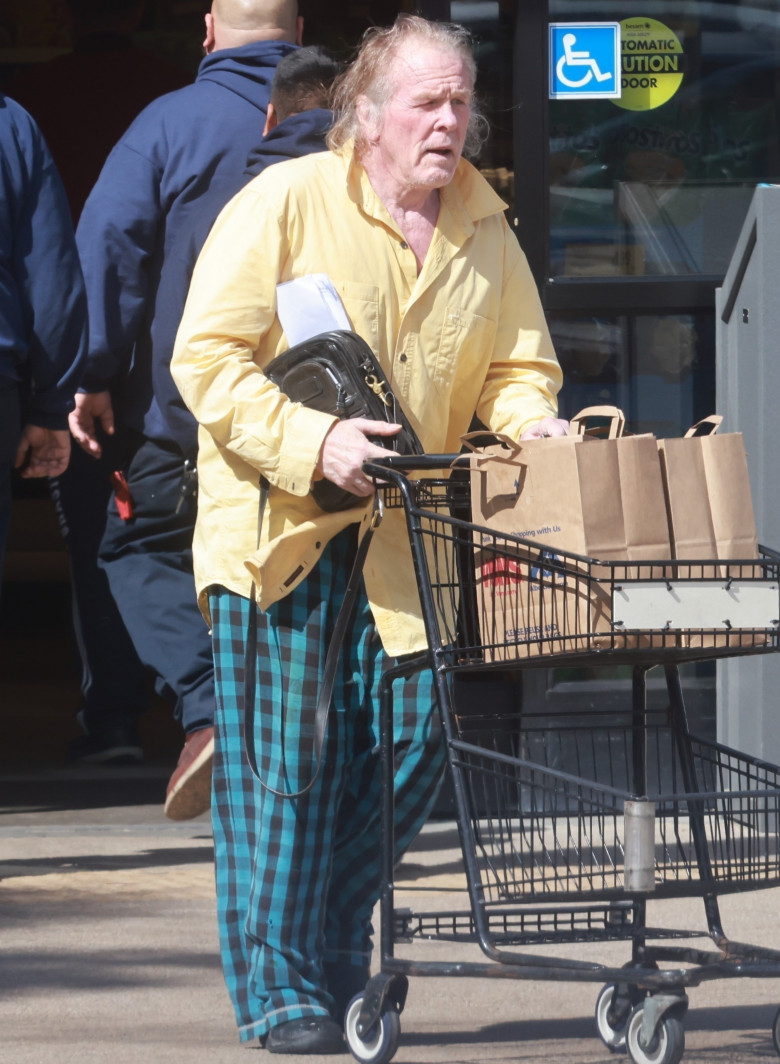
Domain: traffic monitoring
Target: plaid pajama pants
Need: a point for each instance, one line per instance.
(298, 878)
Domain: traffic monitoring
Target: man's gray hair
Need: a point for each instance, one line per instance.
(369, 76)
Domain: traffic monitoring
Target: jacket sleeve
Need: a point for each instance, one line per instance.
(524, 377)
(49, 285)
(229, 330)
(117, 236)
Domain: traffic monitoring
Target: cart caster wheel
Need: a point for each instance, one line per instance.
(667, 1045)
(378, 1045)
(776, 1032)
(614, 1038)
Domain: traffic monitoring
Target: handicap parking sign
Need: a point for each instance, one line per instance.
(584, 60)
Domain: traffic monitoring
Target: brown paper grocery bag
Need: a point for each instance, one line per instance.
(710, 511)
(601, 498)
(708, 498)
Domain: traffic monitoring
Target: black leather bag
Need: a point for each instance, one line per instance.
(336, 372)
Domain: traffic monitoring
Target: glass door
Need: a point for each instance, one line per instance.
(629, 208)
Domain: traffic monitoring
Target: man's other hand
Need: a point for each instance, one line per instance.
(548, 426)
(43, 452)
(91, 408)
(346, 447)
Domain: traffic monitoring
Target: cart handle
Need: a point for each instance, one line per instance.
(412, 463)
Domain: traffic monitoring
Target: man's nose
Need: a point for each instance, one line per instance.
(446, 117)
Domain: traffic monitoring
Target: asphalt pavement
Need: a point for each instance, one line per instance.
(108, 946)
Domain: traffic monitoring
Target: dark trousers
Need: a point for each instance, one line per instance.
(148, 562)
(10, 430)
(114, 683)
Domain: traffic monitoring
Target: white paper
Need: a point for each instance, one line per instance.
(308, 306)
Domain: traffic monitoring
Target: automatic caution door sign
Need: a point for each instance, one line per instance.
(651, 64)
(584, 60)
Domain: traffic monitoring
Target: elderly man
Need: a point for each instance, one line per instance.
(416, 245)
(139, 235)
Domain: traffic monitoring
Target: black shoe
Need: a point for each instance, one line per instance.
(310, 1034)
(117, 747)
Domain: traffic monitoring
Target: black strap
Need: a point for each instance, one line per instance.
(346, 610)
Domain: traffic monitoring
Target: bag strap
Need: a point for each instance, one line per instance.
(469, 441)
(708, 426)
(332, 656)
(617, 420)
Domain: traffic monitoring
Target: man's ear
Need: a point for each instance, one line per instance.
(271, 120)
(368, 119)
(209, 42)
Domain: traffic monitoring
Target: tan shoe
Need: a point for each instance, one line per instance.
(189, 788)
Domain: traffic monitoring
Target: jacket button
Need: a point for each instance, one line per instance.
(404, 245)
(402, 358)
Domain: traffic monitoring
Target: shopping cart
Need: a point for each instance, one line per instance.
(569, 828)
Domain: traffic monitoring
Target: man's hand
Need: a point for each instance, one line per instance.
(42, 452)
(548, 426)
(91, 407)
(346, 448)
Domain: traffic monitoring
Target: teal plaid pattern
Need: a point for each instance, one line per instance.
(298, 878)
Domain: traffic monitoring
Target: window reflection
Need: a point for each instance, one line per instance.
(664, 191)
(491, 25)
(655, 367)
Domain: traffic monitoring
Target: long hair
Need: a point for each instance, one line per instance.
(369, 76)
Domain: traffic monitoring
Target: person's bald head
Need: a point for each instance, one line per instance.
(233, 23)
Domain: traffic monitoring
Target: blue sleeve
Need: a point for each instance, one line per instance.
(48, 283)
(118, 241)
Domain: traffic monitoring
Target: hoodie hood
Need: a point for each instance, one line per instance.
(242, 70)
(297, 135)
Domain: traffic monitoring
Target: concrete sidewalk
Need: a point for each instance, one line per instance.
(109, 947)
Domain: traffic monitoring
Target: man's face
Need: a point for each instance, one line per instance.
(419, 136)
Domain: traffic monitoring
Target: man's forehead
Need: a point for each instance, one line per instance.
(415, 65)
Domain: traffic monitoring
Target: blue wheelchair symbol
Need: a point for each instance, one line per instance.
(584, 60)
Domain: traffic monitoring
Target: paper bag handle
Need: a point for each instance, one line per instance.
(617, 421)
(708, 426)
(512, 445)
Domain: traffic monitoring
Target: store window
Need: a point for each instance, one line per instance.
(492, 26)
(656, 367)
(657, 182)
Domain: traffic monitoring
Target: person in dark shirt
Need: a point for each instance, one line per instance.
(145, 222)
(43, 321)
(83, 102)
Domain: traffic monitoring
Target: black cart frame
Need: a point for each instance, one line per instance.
(568, 828)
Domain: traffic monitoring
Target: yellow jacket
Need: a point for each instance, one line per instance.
(468, 335)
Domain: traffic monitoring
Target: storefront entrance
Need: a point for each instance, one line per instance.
(627, 206)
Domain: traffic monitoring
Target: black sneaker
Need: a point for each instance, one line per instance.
(117, 747)
(310, 1035)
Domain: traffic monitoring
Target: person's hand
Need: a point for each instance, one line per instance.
(91, 407)
(345, 449)
(548, 426)
(42, 452)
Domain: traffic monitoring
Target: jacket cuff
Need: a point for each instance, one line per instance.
(304, 435)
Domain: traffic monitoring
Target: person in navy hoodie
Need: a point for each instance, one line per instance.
(139, 235)
(43, 320)
(298, 117)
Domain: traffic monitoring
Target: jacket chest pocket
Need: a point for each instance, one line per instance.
(361, 302)
(465, 345)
